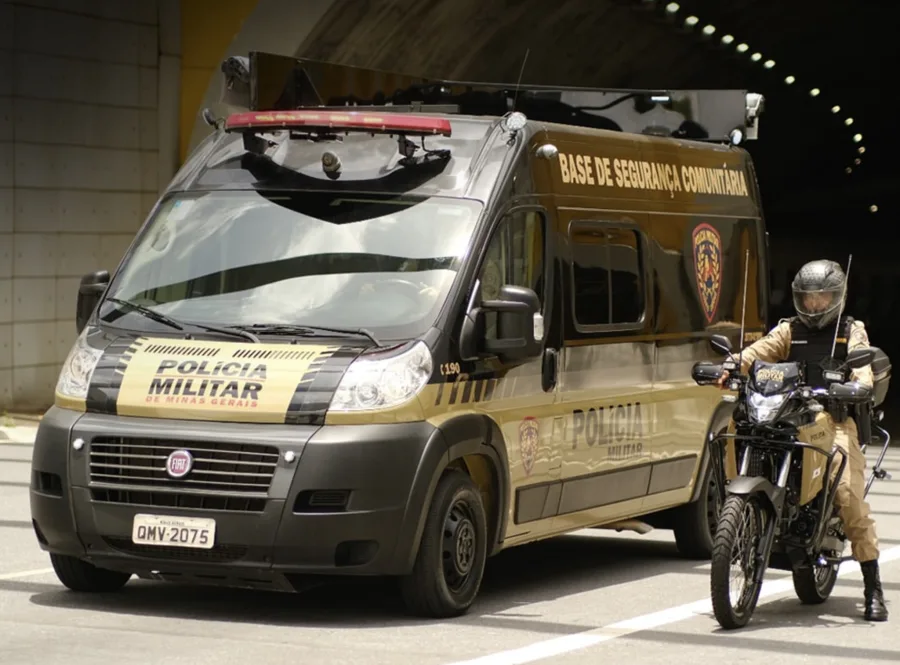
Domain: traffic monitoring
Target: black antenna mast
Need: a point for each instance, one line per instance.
(519, 82)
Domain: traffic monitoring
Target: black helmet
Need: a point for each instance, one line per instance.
(819, 292)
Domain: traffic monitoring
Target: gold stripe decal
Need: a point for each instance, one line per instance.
(223, 381)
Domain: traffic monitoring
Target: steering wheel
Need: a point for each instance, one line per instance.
(405, 283)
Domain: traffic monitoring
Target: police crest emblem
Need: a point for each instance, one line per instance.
(529, 432)
(707, 250)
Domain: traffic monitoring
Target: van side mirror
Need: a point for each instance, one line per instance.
(721, 344)
(516, 308)
(91, 289)
(860, 358)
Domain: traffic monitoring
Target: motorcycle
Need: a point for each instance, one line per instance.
(778, 504)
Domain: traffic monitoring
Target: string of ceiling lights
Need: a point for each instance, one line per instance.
(672, 10)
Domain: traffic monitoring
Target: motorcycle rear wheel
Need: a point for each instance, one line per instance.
(738, 514)
(814, 584)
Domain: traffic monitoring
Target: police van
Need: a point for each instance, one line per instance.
(380, 325)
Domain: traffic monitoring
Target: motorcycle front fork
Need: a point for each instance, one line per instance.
(770, 513)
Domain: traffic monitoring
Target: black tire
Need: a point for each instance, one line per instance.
(730, 523)
(450, 564)
(695, 524)
(814, 584)
(82, 576)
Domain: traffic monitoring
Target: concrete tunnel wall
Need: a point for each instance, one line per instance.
(104, 98)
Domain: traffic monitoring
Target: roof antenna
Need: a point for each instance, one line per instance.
(519, 82)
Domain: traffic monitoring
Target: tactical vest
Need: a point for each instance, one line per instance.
(812, 347)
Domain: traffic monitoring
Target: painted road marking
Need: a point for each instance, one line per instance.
(570, 643)
(25, 573)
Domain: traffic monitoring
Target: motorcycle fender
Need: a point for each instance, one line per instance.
(750, 485)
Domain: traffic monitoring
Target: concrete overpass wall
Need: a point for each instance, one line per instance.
(88, 134)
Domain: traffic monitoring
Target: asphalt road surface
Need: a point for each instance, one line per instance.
(594, 597)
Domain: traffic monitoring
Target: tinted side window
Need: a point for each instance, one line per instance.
(515, 256)
(608, 285)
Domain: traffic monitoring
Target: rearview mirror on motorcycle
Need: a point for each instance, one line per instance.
(721, 344)
(860, 358)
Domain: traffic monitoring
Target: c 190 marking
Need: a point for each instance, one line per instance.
(449, 369)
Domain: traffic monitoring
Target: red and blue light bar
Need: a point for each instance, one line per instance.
(381, 123)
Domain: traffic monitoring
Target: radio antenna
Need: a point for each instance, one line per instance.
(743, 310)
(519, 82)
(837, 325)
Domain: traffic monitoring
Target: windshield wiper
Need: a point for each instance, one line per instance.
(298, 329)
(179, 325)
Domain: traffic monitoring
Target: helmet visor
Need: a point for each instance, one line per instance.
(817, 303)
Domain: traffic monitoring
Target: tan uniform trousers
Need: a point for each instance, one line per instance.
(850, 496)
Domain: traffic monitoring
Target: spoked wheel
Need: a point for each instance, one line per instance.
(814, 584)
(737, 544)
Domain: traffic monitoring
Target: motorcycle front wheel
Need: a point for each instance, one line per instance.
(739, 537)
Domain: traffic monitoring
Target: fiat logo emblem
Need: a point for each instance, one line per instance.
(179, 463)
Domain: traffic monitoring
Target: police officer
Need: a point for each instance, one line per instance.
(819, 291)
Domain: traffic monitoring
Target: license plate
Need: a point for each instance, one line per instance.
(173, 531)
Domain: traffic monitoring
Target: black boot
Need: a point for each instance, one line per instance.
(875, 609)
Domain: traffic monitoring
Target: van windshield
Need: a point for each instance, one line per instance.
(234, 258)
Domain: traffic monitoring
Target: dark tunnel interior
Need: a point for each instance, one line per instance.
(823, 158)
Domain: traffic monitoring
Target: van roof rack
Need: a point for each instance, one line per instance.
(270, 82)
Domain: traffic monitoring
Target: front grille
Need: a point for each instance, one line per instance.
(221, 469)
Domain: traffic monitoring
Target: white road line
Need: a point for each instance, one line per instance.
(25, 573)
(569, 643)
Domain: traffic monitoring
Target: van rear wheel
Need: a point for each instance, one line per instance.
(695, 524)
(450, 564)
(82, 576)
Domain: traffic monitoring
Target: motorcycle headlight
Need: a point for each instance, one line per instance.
(762, 408)
(76, 373)
(382, 383)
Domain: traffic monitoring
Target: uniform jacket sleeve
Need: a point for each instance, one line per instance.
(774, 347)
(859, 339)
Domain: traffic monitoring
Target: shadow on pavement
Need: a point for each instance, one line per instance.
(531, 573)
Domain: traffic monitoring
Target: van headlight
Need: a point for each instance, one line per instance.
(381, 383)
(75, 376)
(763, 408)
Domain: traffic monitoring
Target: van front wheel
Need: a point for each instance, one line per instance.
(450, 564)
(82, 576)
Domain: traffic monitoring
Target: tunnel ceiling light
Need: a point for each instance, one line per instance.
(861, 150)
(709, 29)
(873, 208)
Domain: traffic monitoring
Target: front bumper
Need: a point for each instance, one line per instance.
(352, 501)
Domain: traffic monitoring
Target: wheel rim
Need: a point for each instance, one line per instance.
(823, 576)
(459, 545)
(743, 552)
